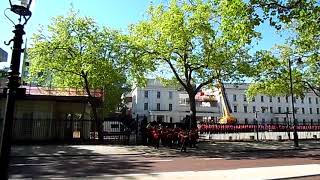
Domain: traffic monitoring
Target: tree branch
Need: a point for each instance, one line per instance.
(210, 80)
(199, 67)
(176, 74)
(278, 5)
(67, 71)
(315, 90)
(68, 49)
(186, 67)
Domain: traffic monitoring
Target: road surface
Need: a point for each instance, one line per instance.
(75, 162)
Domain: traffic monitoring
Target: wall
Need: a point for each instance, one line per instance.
(181, 107)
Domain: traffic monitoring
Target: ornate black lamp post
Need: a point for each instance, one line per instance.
(295, 134)
(21, 8)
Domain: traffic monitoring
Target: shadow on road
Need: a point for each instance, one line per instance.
(68, 161)
(90, 161)
(237, 150)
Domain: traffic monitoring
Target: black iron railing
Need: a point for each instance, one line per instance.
(56, 130)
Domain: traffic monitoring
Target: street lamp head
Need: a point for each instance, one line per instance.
(21, 7)
(299, 60)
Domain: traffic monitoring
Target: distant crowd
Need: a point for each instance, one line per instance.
(238, 128)
(155, 134)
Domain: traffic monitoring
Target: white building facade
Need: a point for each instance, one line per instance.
(165, 104)
(268, 109)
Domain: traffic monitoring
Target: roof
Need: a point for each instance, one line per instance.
(60, 91)
(66, 92)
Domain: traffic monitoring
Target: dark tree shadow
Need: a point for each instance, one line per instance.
(71, 161)
(68, 161)
(237, 150)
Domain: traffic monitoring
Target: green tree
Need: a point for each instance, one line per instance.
(4, 72)
(301, 19)
(271, 75)
(75, 52)
(197, 43)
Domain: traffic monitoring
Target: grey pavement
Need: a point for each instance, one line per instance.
(261, 173)
(204, 149)
(211, 160)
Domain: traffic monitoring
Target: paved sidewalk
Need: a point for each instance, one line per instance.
(277, 172)
(262, 173)
(214, 160)
(204, 149)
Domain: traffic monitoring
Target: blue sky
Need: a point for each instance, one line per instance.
(117, 14)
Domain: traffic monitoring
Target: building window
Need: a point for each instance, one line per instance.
(270, 99)
(244, 98)
(145, 106)
(171, 120)
(158, 94)
(29, 116)
(235, 109)
(287, 110)
(271, 109)
(263, 121)
(318, 111)
(146, 94)
(170, 94)
(170, 107)
(262, 99)
(279, 100)
(279, 109)
(317, 101)
(310, 110)
(303, 121)
(287, 99)
(114, 126)
(158, 106)
(253, 99)
(277, 120)
(245, 121)
(302, 101)
(309, 100)
(245, 109)
(253, 109)
(271, 121)
(234, 97)
(311, 121)
(302, 110)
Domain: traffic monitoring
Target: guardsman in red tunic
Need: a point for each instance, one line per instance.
(193, 137)
(175, 138)
(163, 136)
(170, 138)
(156, 138)
(183, 136)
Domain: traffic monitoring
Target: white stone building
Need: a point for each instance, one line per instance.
(269, 109)
(166, 104)
(159, 103)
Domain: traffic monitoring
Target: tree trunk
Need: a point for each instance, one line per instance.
(94, 115)
(193, 111)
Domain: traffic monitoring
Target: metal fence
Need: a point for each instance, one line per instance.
(54, 130)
